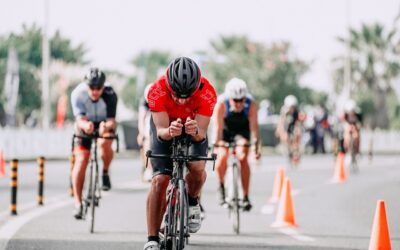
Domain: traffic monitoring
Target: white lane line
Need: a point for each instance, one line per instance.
(12, 225)
(29, 206)
(8, 230)
(296, 235)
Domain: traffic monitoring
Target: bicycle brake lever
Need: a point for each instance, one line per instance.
(148, 153)
(117, 138)
(214, 156)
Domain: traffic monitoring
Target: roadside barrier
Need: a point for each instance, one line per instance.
(40, 161)
(285, 216)
(14, 186)
(380, 237)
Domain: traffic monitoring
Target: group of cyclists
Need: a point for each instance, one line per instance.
(182, 102)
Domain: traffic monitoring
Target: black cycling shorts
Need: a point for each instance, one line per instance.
(231, 136)
(159, 146)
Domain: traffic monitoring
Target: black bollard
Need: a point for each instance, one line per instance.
(14, 186)
(40, 162)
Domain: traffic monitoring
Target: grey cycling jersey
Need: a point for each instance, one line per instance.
(97, 111)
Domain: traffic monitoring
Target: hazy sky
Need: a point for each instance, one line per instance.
(117, 30)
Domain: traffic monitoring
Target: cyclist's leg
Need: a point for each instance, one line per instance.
(156, 203)
(195, 179)
(242, 155)
(107, 152)
(78, 173)
(107, 155)
(82, 154)
(162, 169)
(221, 163)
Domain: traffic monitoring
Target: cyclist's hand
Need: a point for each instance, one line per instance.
(191, 127)
(258, 155)
(175, 129)
(103, 128)
(88, 128)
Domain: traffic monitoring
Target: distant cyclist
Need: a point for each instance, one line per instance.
(352, 126)
(181, 102)
(236, 120)
(143, 137)
(288, 129)
(94, 107)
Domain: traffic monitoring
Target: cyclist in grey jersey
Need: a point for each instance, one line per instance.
(94, 107)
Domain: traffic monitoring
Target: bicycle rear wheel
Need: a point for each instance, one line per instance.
(235, 209)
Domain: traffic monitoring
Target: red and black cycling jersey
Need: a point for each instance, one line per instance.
(202, 102)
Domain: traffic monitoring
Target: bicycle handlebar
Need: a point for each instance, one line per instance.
(181, 158)
(231, 145)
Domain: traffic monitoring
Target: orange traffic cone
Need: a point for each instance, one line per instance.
(2, 164)
(277, 189)
(380, 238)
(285, 216)
(340, 172)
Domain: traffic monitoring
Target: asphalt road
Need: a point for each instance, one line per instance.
(329, 216)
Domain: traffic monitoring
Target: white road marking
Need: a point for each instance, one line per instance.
(8, 230)
(296, 235)
(11, 226)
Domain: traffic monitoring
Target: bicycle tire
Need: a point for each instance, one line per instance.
(174, 233)
(235, 202)
(182, 215)
(94, 182)
(169, 225)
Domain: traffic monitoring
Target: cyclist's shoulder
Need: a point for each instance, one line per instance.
(80, 92)
(109, 90)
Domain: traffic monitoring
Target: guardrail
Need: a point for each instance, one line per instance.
(25, 143)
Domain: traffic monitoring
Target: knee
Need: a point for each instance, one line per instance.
(242, 155)
(159, 183)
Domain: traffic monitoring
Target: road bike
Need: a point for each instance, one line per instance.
(176, 232)
(92, 197)
(233, 202)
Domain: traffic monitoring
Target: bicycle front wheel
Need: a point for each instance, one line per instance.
(182, 215)
(93, 199)
(235, 217)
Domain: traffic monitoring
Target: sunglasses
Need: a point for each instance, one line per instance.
(238, 100)
(95, 88)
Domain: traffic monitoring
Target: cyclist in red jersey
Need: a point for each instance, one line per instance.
(181, 102)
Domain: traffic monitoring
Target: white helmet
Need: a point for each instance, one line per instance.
(290, 101)
(350, 106)
(236, 89)
(146, 91)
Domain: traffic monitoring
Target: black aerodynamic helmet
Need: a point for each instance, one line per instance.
(183, 77)
(95, 78)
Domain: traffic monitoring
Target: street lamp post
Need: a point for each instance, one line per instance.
(45, 70)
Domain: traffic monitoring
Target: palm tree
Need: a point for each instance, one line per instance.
(374, 66)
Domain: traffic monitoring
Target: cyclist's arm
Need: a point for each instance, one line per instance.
(254, 128)
(202, 125)
(219, 121)
(161, 121)
(82, 123)
(141, 120)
